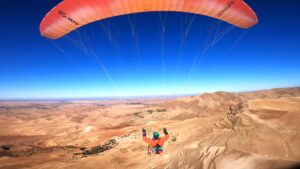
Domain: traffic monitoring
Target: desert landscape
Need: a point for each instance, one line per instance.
(250, 130)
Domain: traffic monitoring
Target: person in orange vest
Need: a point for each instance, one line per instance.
(156, 143)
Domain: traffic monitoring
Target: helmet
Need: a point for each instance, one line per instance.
(155, 134)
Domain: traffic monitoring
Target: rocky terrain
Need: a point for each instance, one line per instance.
(251, 130)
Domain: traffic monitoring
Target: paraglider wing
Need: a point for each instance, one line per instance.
(72, 14)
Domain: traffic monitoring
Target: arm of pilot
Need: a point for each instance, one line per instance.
(166, 137)
(147, 140)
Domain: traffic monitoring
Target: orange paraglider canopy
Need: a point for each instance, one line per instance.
(72, 14)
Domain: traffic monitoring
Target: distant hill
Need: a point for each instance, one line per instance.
(218, 102)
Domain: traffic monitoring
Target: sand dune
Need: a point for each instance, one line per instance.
(252, 130)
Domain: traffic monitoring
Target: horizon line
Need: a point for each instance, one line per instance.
(102, 98)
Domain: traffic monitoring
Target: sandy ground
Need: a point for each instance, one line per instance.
(254, 130)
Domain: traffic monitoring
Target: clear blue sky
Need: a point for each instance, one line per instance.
(89, 63)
